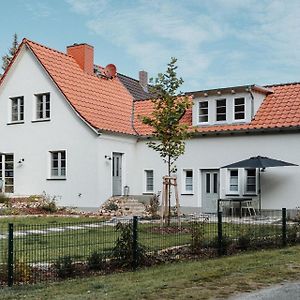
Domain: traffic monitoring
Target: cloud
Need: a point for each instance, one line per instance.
(87, 7)
(38, 9)
(215, 40)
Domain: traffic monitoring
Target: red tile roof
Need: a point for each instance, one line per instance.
(103, 103)
(106, 104)
(281, 110)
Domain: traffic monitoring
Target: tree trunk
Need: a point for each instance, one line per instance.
(169, 191)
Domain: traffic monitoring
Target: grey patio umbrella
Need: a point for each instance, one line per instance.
(260, 163)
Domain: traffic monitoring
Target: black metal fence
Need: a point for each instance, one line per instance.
(48, 252)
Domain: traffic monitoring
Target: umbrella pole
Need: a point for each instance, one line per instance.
(259, 191)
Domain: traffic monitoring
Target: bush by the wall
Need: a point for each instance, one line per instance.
(96, 261)
(64, 267)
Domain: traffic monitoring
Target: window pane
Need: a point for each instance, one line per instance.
(221, 110)
(234, 179)
(189, 180)
(207, 183)
(251, 181)
(149, 180)
(58, 163)
(215, 183)
(203, 111)
(239, 108)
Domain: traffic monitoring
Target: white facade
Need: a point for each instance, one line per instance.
(89, 154)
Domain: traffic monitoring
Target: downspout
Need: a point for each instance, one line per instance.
(252, 102)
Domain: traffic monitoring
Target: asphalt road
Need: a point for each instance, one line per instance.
(286, 291)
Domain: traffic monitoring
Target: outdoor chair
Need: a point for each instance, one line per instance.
(248, 206)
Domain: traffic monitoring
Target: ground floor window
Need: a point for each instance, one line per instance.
(7, 172)
(251, 181)
(234, 181)
(58, 164)
(188, 181)
(149, 176)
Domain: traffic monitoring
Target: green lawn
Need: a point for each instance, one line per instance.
(79, 243)
(215, 278)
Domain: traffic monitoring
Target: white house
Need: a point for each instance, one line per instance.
(69, 130)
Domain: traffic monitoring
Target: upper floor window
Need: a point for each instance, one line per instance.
(203, 112)
(239, 108)
(58, 164)
(251, 181)
(17, 109)
(149, 174)
(234, 181)
(221, 110)
(43, 106)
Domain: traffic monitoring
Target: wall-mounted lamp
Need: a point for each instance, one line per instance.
(107, 157)
(21, 161)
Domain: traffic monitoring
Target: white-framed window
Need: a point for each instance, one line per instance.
(188, 186)
(239, 109)
(149, 181)
(251, 186)
(234, 181)
(17, 109)
(203, 112)
(58, 164)
(221, 110)
(42, 106)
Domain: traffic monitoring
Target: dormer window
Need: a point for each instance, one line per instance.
(239, 109)
(17, 109)
(203, 112)
(221, 110)
(43, 106)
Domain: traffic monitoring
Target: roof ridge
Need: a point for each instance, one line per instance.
(128, 77)
(282, 84)
(25, 40)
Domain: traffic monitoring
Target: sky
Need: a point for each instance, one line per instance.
(218, 43)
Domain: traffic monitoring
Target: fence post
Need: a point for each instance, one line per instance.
(10, 256)
(135, 242)
(284, 228)
(220, 237)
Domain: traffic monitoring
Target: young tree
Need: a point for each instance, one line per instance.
(169, 106)
(11, 52)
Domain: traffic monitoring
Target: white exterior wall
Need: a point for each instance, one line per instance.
(280, 186)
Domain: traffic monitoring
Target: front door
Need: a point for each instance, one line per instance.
(117, 174)
(7, 172)
(210, 190)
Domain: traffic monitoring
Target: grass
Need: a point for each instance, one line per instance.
(215, 278)
(80, 243)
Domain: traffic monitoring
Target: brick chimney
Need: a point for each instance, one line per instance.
(84, 56)
(143, 79)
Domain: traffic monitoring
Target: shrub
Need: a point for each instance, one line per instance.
(153, 206)
(225, 243)
(197, 236)
(96, 261)
(293, 233)
(22, 272)
(111, 206)
(245, 239)
(4, 199)
(123, 252)
(64, 267)
(48, 203)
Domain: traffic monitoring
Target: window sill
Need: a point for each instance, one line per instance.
(187, 194)
(249, 194)
(148, 193)
(232, 194)
(15, 123)
(40, 120)
(57, 178)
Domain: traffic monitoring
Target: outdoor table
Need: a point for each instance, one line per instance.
(233, 199)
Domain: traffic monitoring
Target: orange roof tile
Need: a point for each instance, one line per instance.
(281, 109)
(106, 104)
(103, 103)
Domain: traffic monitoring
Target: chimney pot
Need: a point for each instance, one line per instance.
(143, 79)
(83, 55)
